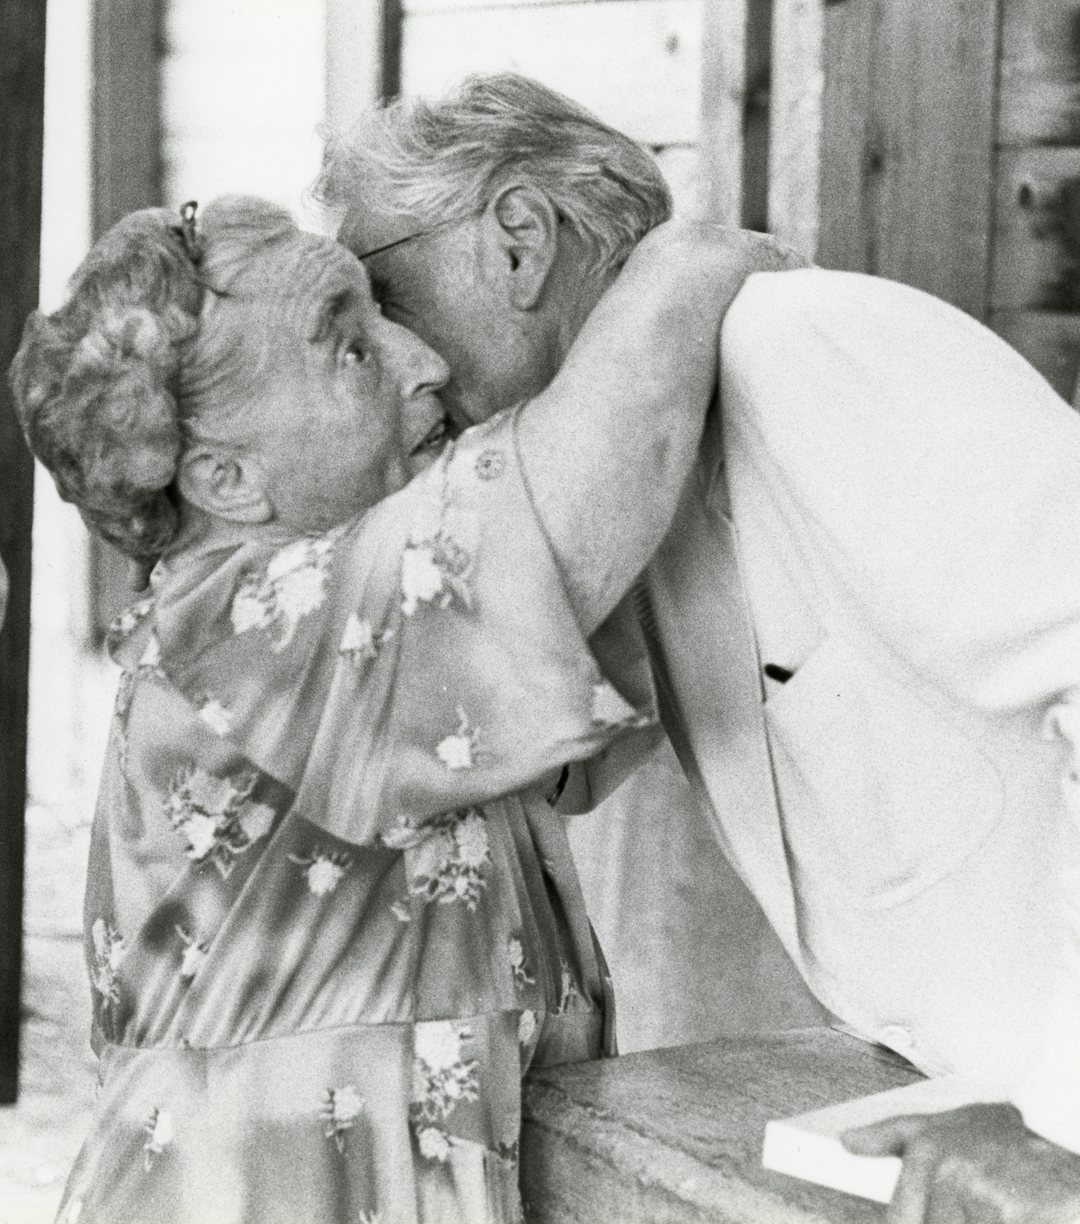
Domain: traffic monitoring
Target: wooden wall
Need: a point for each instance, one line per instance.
(937, 142)
(635, 63)
(1034, 284)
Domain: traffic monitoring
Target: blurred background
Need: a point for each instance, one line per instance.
(933, 141)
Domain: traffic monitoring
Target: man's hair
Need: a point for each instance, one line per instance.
(439, 160)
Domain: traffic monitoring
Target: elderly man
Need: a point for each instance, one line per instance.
(864, 627)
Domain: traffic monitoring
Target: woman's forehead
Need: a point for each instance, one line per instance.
(307, 277)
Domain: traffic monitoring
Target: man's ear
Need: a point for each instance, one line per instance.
(522, 228)
(227, 485)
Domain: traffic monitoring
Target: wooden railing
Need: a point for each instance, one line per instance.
(674, 1136)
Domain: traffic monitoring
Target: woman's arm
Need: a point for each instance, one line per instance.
(608, 445)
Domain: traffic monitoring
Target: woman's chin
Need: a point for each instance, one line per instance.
(420, 460)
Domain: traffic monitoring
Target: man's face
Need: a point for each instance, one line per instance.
(439, 283)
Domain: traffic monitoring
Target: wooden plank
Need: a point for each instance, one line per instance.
(125, 108)
(1040, 72)
(22, 109)
(757, 105)
(635, 63)
(723, 110)
(845, 194)
(675, 1136)
(798, 80)
(1049, 339)
(126, 174)
(907, 140)
(444, 6)
(1036, 260)
(353, 60)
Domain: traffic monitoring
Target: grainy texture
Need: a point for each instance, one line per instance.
(22, 108)
(1049, 339)
(723, 106)
(675, 1135)
(795, 123)
(1040, 72)
(1037, 229)
(635, 63)
(907, 143)
(126, 168)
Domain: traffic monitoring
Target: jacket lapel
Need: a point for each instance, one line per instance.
(696, 621)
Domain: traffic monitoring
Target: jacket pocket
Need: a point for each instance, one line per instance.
(883, 789)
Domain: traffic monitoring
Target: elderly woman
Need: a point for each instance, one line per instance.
(331, 918)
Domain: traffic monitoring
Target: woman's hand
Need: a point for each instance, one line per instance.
(975, 1165)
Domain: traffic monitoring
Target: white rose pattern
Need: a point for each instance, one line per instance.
(458, 751)
(518, 966)
(159, 1134)
(437, 563)
(292, 586)
(526, 1027)
(108, 953)
(340, 1110)
(449, 864)
(193, 956)
(148, 666)
(359, 641)
(216, 717)
(215, 816)
(442, 1077)
(568, 990)
(323, 871)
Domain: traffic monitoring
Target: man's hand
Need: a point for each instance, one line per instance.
(975, 1165)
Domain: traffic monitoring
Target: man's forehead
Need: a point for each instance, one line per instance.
(363, 230)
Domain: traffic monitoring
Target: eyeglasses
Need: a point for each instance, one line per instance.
(389, 246)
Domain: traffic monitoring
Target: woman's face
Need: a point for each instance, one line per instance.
(345, 406)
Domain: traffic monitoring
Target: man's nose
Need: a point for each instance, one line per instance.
(422, 370)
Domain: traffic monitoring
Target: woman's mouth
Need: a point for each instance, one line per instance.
(433, 441)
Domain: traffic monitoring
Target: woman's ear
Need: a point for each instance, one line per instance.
(521, 226)
(228, 485)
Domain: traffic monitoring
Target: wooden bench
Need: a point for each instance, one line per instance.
(674, 1136)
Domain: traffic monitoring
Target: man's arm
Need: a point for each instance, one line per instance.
(608, 445)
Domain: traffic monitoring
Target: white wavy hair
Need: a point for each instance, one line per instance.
(439, 160)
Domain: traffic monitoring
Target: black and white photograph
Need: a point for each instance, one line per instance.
(540, 612)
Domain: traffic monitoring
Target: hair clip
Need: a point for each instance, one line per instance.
(187, 231)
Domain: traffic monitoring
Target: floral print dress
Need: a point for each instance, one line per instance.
(331, 918)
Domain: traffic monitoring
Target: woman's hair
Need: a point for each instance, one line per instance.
(103, 386)
(434, 161)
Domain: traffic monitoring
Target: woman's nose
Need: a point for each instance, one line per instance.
(422, 370)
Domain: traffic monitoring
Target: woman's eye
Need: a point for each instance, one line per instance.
(354, 355)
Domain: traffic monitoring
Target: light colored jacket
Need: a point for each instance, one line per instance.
(866, 634)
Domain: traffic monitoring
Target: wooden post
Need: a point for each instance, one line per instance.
(126, 169)
(22, 109)
(723, 108)
(391, 29)
(907, 142)
(795, 123)
(354, 61)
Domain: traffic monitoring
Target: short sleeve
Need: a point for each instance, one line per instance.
(459, 670)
